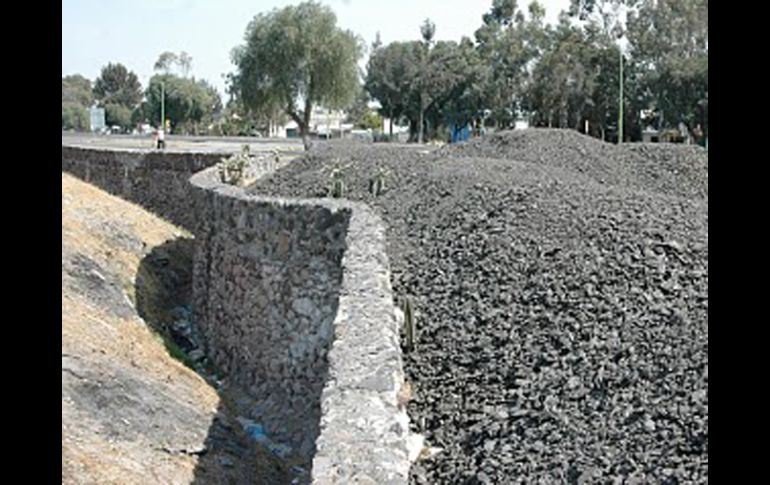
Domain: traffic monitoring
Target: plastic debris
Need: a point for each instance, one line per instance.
(257, 432)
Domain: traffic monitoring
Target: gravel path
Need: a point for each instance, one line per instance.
(561, 297)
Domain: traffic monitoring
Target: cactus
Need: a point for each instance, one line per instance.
(337, 189)
(409, 325)
(377, 184)
(232, 168)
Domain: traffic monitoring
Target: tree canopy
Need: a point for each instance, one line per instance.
(563, 75)
(118, 85)
(76, 98)
(76, 89)
(188, 103)
(296, 58)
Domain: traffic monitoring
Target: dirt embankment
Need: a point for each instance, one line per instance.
(131, 413)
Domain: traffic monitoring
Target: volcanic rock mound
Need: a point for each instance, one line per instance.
(561, 301)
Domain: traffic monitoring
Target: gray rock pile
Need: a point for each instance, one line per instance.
(561, 301)
(667, 168)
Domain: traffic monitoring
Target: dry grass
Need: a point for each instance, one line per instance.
(99, 344)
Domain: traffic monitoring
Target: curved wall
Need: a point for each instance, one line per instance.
(156, 180)
(294, 303)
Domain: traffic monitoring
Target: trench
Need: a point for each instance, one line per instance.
(307, 363)
(260, 434)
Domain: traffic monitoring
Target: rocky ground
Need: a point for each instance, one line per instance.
(132, 413)
(561, 294)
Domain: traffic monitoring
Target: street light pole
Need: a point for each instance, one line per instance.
(620, 101)
(162, 105)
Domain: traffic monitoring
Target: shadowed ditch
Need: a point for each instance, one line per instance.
(265, 427)
(253, 305)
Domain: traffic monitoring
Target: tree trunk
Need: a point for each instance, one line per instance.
(306, 116)
(391, 125)
(419, 128)
(303, 133)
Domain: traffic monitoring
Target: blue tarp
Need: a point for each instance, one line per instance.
(460, 133)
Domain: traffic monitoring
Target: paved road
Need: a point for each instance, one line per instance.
(183, 142)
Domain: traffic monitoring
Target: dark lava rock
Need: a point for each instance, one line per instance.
(561, 302)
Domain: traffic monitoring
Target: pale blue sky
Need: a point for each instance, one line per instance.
(135, 32)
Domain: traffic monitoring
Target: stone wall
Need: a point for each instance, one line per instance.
(293, 300)
(311, 330)
(158, 181)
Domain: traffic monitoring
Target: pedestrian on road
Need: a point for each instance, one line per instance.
(161, 139)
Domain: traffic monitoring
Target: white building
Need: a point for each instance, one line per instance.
(97, 118)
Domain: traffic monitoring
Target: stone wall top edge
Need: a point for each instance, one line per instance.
(208, 180)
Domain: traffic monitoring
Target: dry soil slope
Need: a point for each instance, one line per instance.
(130, 412)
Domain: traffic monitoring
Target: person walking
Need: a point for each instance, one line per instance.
(161, 138)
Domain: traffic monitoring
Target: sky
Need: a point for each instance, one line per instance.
(135, 32)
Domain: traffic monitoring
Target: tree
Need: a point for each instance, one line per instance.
(427, 86)
(185, 63)
(188, 103)
(428, 31)
(389, 77)
(74, 116)
(370, 121)
(117, 115)
(669, 43)
(608, 19)
(76, 97)
(76, 89)
(297, 55)
(460, 84)
(168, 60)
(509, 45)
(118, 85)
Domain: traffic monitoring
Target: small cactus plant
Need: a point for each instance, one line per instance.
(409, 324)
(377, 184)
(337, 188)
(232, 168)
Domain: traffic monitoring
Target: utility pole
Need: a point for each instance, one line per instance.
(162, 105)
(620, 101)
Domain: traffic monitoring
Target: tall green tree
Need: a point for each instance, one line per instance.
(510, 43)
(189, 104)
(428, 84)
(76, 97)
(117, 115)
(76, 89)
(390, 76)
(168, 61)
(74, 116)
(297, 58)
(425, 77)
(669, 43)
(565, 79)
(118, 85)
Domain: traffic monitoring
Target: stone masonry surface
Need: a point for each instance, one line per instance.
(294, 303)
(158, 181)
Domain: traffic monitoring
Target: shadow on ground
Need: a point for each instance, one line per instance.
(163, 292)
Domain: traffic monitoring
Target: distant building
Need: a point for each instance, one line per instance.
(97, 119)
(521, 124)
(650, 135)
(324, 123)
